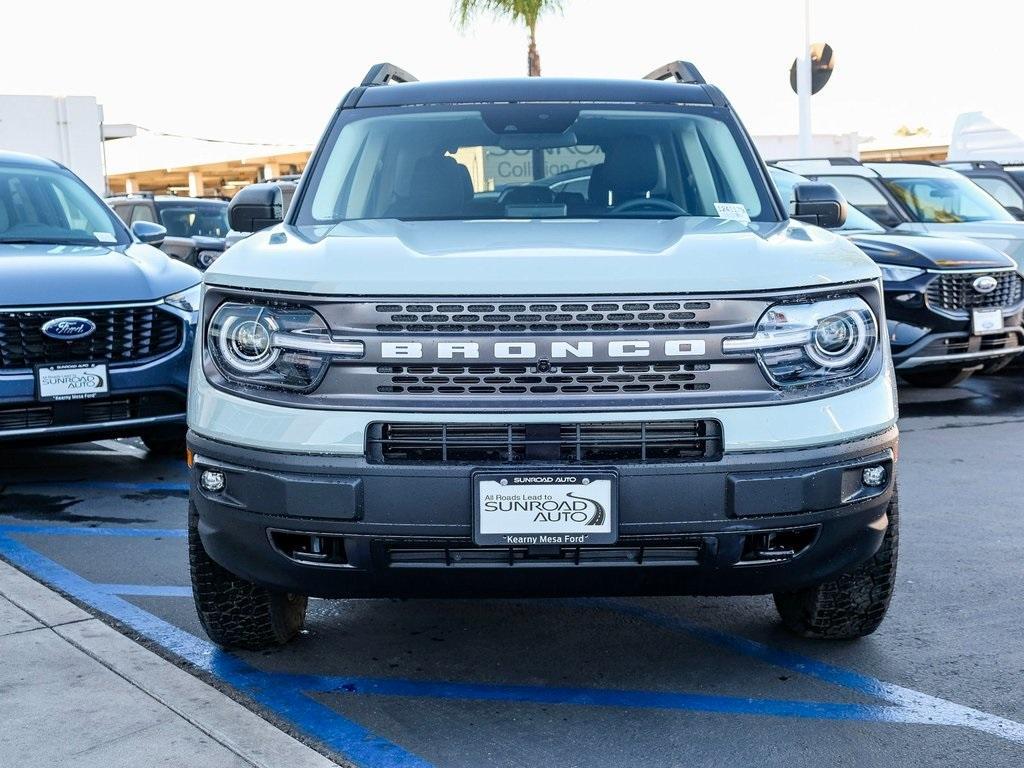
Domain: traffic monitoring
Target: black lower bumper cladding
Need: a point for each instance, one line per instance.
(342, 526)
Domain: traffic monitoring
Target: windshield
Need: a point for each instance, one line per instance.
(39, 205)
(188, 218)
(946, 200)
(510, 161)
(856, 220)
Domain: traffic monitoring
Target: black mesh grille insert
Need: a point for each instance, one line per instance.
(955, 292)
(574, 379)
(122, 335)
(615, 442)
(541, 317)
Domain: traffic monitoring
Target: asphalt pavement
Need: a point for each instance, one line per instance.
(652, 682)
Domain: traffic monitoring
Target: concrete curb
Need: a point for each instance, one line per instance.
(215, 714)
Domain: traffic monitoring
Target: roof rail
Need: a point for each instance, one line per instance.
(830, 160)
(680, 71)
(147, 195)
(974, 165)
(385, 74)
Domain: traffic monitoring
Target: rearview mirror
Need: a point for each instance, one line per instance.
(1017, 213)
(256, 207)
(149, 232)
(819, 204)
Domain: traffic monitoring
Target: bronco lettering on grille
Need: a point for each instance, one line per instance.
(556, 350)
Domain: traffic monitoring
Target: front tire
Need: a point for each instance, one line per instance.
(852, 605)
(936, 377)
(234, 612)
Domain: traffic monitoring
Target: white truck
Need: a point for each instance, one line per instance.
(426, 382)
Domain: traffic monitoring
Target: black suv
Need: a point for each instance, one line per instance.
(952, 306)
(196, 227)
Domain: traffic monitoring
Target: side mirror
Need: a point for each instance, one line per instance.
(149, 232)
(256, 207)
(1017, 213)
(819, 204)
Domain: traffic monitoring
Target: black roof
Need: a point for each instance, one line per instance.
(533, 89)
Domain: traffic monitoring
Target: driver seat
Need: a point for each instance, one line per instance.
(629, 172)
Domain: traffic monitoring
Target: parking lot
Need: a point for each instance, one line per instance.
(663, 682)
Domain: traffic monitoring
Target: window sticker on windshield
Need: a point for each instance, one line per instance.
(733, 212)
(105, 237)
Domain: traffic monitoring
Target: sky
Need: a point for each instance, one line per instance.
(273, 71)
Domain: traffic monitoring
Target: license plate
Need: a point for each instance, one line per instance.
(71, 381)
(986, 321)
(545, 508)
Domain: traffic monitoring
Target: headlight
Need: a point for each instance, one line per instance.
(813, 343)
(275, 347)
(187, 300)
(893, 274)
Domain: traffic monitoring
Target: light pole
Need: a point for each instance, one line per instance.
(803, 85)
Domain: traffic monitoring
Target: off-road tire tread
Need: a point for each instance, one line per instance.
(234, 612)
(852, 605)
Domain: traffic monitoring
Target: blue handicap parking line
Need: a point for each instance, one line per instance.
(287, 694)
(344, 736)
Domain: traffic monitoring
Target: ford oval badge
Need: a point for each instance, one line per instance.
(68, 328)
(985, 284)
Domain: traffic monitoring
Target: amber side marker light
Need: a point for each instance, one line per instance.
(189, 457)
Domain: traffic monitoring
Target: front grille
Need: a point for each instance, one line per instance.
(541, 317)
(572, 379)
(954, 292)
(122, 335)
(85, 412)
(482, 444)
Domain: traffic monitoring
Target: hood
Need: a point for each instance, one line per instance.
(45, 275)
(540, 257)
(1005, 236)
(930, 252)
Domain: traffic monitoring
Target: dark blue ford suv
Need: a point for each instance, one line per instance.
(96, 324)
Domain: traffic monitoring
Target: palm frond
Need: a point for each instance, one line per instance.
(519, 11)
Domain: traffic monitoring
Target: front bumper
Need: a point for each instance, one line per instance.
(749, 523)
(140, 398)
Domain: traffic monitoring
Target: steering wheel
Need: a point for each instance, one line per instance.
(649, 203)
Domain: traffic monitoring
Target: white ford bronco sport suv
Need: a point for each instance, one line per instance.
(438, 378)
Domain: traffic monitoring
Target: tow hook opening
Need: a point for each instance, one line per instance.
(773, 546)
(310, 548)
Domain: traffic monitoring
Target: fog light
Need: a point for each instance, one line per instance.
(873, 476)
(213, 481)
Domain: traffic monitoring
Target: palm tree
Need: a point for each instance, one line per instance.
(519, 11)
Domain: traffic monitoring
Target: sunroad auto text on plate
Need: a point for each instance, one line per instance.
(545, 508)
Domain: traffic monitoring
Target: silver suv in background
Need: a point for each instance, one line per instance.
(196, 226)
